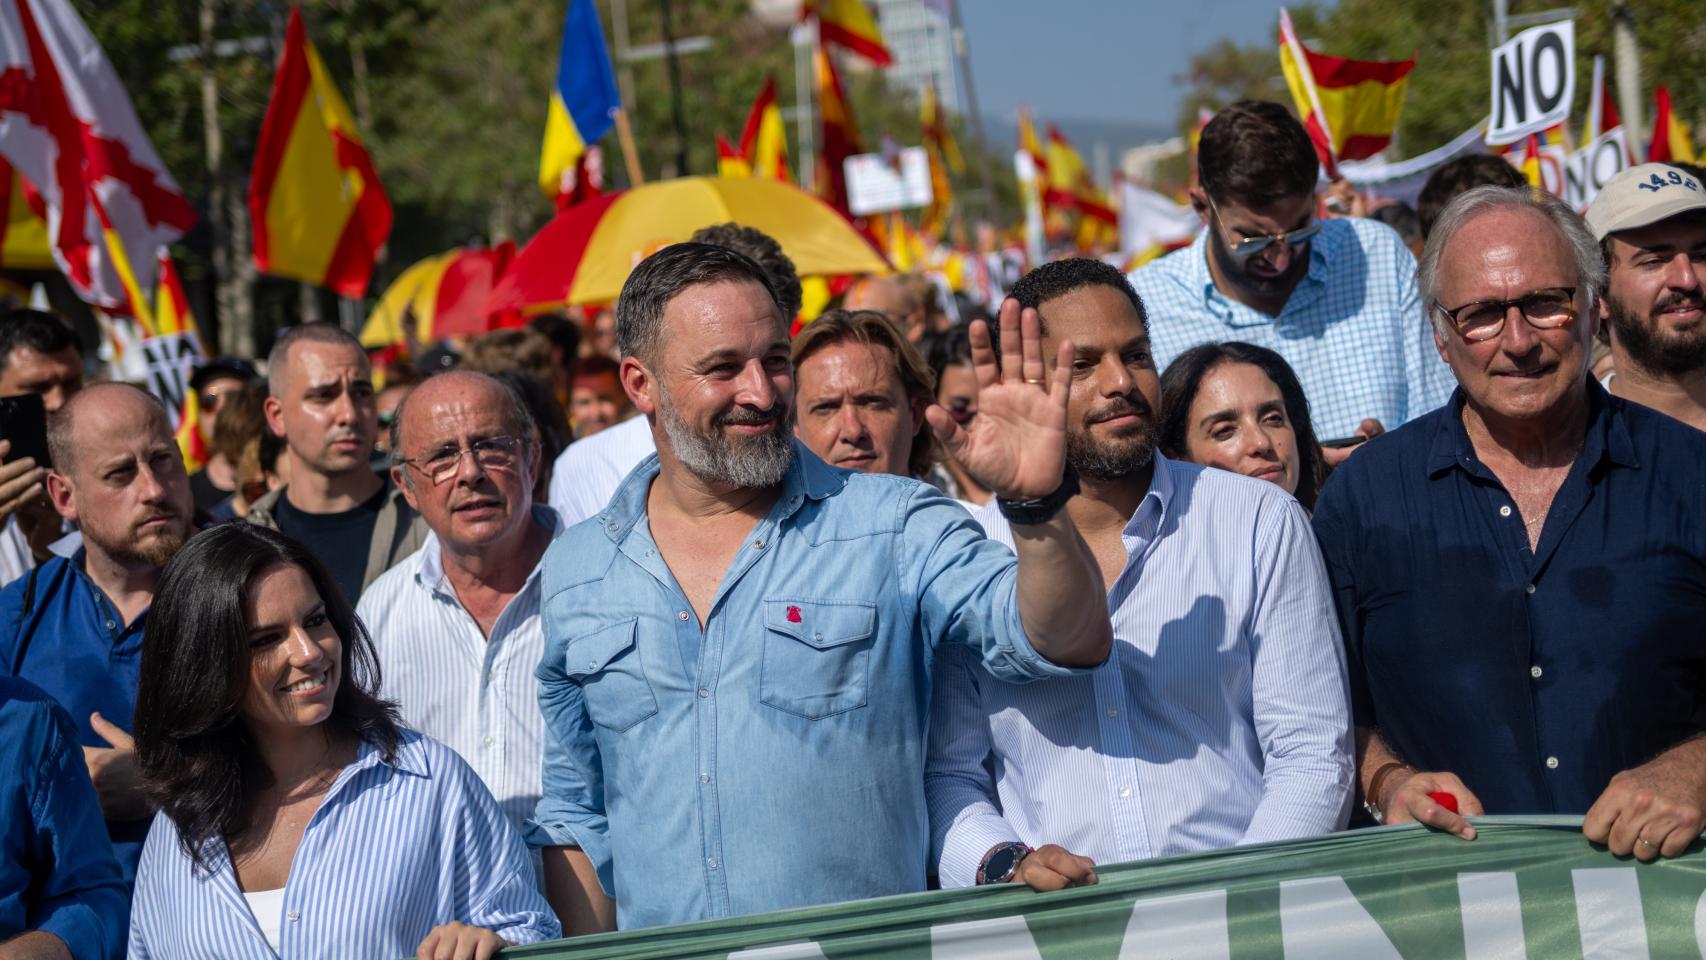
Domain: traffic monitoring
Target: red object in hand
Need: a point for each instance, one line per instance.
(1445, 800)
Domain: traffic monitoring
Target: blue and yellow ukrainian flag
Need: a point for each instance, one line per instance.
(582, 101)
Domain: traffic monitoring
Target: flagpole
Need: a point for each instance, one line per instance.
(804, 65)
(1307, 74)
(962, 53)
(630, 156)
(674, 63)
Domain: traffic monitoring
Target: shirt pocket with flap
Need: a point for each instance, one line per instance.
(606, 663)
(817, 655)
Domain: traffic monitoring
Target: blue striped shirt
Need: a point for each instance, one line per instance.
(394, 850)
(1353, 330)
(473, 692)
(1220, 719)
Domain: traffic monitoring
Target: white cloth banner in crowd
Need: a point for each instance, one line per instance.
(1148, 219)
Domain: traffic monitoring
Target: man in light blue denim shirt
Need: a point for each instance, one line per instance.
(736, 678)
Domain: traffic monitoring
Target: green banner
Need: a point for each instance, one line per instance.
(1525, 887)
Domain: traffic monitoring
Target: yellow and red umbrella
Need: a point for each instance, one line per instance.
(445, 295)
(584, 255)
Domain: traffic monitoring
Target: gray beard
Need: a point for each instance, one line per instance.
(760, 462)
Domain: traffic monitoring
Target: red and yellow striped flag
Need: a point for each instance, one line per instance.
(943, 153)
(1069, 184)
(320, 213)
(172, 315)
(1349, 107)
(840, 134)
(1531, 163)
(764, 140)
(1671, 140)
(850, 24)
(730, 162)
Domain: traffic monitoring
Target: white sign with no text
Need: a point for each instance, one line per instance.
(1534, 81)
(875, 186)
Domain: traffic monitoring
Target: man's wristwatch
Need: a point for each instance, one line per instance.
(1001, 863)
(1371, 802)
(1041, 509)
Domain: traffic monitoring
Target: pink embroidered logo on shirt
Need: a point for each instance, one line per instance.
(793, 614)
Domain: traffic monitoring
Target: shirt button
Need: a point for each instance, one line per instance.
(1125, 792)
(681, 615)
(758, 544)
(703, 693)
(1551, 763)
(294, 916)
(487, 741)
(1504, 511)
(111, 625)
(1112, 713)
(704, 778)
(1535, 671)
(1529, 589)
(712, 863)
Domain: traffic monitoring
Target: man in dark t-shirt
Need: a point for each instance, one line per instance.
(321, 402)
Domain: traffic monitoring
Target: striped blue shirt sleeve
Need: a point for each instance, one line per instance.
(965, 814)
(1428, 376)
(1298, 685)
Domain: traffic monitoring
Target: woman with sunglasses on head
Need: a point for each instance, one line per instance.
(956, 391)
(1239, 407)
(297, 819)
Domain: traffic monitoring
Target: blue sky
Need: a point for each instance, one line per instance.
(1105, 60)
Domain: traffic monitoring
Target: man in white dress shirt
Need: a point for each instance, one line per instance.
(456, 624)
(1221, 717)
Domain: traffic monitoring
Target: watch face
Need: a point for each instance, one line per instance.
(1001, 864)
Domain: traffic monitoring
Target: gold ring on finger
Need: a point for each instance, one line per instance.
(1038, 381)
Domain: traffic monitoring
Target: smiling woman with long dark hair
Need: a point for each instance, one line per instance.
(297, 818)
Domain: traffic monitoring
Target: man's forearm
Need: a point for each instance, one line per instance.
(1061, 602)
(1372, 753)
(573, 890)
(34, 945)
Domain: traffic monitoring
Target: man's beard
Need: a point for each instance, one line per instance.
(1653, 349)
(151, 551)
(1117, 457)
(747, 463)
(1236, 270)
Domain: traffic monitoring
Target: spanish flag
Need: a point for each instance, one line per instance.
(1530, 166)
(1069, 184)
(840, 134)
(172, 315)
(1349, 107)
(943, 153)
(764, 140)
(849, 23)
(24, 244)
(730, 162)
(1671, 140)
(584, 99)
(320, 213)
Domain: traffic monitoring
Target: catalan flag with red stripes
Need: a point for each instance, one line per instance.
(851, 25)
(319, 211)
(1349, 107)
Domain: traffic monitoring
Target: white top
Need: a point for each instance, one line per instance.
(15, 557)
(590, 470)
(474, 693)
(268, 908)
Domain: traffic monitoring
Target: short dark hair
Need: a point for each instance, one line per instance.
(278, 357)
(1059, 277)
(564, 334)
(951, 349)
(1402, 218)
(1183, 380)
(198, 761)
(873, 328)
(664, 275)
(764, 251)
(1459, 176)
(242, 420)
(1255, 153)
(597, 365)
(35, 330)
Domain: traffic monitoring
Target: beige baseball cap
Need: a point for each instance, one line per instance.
(1643, 195)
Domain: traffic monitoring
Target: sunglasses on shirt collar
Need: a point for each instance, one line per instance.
(1250, 246)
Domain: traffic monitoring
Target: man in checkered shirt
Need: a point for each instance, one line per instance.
(1336, 298)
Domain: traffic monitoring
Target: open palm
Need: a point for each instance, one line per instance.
(1016, 445)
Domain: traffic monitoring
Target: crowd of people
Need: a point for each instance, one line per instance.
(683, 615)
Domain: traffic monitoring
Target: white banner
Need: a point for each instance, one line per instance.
(1534, 82)
(1589, 169)
(1148, 219)
(875, 186)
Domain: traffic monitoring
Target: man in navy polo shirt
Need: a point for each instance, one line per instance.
(73, 626)
(1519, 574)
